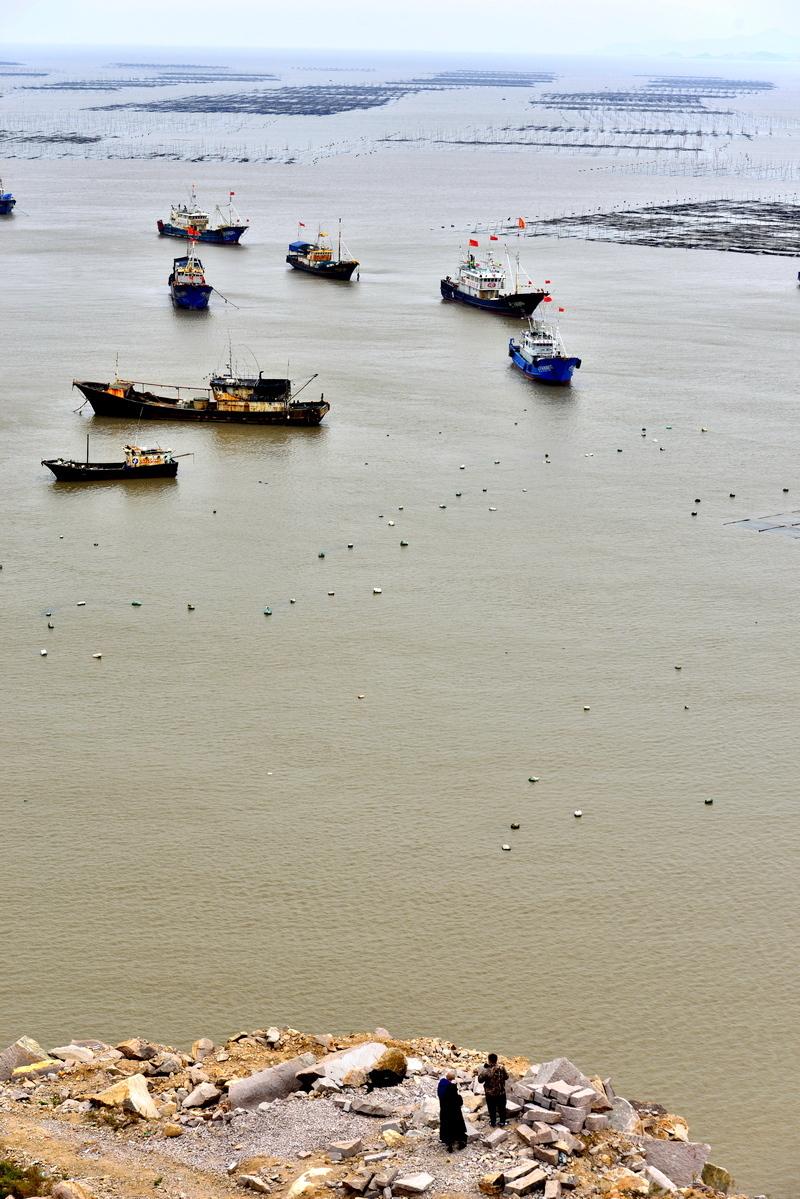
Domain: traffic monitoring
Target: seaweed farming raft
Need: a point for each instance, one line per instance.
(738, 226)
(230, 399)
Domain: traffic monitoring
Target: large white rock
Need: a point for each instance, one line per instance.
(308, 1182)
(23, 1052)
(132, 1094)
(412, 1184)
(339, 1065)
(265, 1085)
(73, 1053)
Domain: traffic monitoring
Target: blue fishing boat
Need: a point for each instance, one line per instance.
(7, 201)
(484, 284)
(541, 355)
(187, 282)
(227, 230)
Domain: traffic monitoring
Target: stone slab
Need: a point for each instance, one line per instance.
(274, 1083)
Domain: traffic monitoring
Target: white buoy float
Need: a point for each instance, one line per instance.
(577, 813)
(377, 591)
(586, 708)
(391, 522)
(81, 604)
(505, 846)
(98, 656)
(43, 652)
(361, 695)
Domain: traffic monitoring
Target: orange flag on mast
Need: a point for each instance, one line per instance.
(520, 222)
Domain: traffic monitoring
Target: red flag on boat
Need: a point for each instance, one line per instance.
(562, 310)
(493, 238)
(231, 193)
(520, 222)
(548, 299)
(302, 224)
(473, 242)
(547, 280)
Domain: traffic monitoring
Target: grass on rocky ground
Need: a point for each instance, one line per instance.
(19, 1183)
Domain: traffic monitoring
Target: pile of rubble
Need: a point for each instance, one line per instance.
(361, 1118)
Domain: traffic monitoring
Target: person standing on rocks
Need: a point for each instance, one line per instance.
(452, 1129)
(494, 1078)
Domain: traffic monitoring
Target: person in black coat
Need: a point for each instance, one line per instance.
(452, 1129)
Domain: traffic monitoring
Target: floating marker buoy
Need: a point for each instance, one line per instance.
(190, 607)
(381, 516)
(321, 554)
(686, 707)
(708, 801)
(136, 603)
(404, 543)
(698, 501)
(81, 604)
(43, 652)
(534, 778)
(361, 695)
(492, 509)
(524, 490)
(586, 708)
(49, 613)
(349, 545)
(98, 656)
(213, 512)
(50, 624)
(703, 429)
(458, 495)
(443, 505)
(462, 467)
(619, 451)
(497, 461)
(331, 593)
(391, 522)
(515, 825)
(484, 490)
(292, 601)
(506, 847)
(376, 591)
(400, 509)
(268, 611)
(679, 668)
(785, 490)
(95, 544)
(732, 495)
(577, 813)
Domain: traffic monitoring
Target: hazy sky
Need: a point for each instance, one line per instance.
(525, 27)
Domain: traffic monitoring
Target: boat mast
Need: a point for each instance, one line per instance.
(339, 251)
(87, 449)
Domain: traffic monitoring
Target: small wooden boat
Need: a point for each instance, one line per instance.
(140, 463)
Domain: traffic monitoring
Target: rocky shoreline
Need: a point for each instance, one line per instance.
(298, 1116)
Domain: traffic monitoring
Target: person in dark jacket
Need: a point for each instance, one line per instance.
(494, 1078)
(452, 1129)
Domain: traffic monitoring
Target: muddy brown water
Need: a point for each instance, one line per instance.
(207, 830)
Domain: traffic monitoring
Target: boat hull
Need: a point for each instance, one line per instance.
(7, 205)
(521, 303)
(97, 472)
(324, 270)
(223, 235)
(556, 371)
(192, 296)
(146, 406)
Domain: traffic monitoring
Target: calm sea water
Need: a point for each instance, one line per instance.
(207, 830)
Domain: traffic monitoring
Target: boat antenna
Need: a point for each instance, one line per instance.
(339, 251)
(87, 449)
